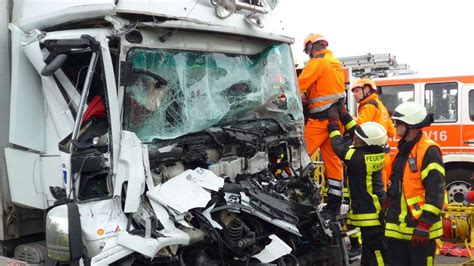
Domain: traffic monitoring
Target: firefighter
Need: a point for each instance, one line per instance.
(364, 163)
(371, 108)
(415, 195)
(321, 84)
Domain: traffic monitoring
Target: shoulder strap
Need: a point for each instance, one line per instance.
(374, 103)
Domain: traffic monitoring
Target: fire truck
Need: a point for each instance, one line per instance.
(449, 98)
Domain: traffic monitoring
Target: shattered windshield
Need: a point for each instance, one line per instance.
(207, 89)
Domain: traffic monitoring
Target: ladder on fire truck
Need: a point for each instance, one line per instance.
(375, 66)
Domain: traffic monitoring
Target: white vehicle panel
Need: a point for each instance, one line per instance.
(101, 222)
(150, 246)
(112, 104)
(57, 106)
(35, 14)
(51, 176)
(39, 14)
(131, 156)
(24, 174)
(200, 15)
(27, 127)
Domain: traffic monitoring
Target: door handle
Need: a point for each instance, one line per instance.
(469, 142)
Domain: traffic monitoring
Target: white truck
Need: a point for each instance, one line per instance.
(154, 132)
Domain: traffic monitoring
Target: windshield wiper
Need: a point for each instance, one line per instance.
(129, 75)
(278, 122)
(159, 80)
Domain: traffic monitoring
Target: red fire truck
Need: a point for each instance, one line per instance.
(450, 99)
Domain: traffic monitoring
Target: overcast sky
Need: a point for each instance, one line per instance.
(434, 37)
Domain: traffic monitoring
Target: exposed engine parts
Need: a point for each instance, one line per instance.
(267, 199)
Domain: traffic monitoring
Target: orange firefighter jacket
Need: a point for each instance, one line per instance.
(371, 109)
(322, 80)
(422, 194)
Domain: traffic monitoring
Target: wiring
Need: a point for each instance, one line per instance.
(78, 176)
(125, 30)
(165, 36)
(214, 232)
(79, 74)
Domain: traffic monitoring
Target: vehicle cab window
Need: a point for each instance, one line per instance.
(471, 105)
(441, 99)
(393, 95)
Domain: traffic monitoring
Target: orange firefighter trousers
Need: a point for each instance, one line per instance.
(316, 136)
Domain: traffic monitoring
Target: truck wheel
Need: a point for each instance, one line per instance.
(458, 182)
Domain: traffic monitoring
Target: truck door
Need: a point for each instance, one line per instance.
(442, 100)
(452, 129)
(467, 122)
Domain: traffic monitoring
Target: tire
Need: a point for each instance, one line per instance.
(458, 182)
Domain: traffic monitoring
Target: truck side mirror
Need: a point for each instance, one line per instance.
(64, 233)
(59, 50)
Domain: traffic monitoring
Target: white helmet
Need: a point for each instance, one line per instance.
(412, 114)
(372, 133)
(299, 63)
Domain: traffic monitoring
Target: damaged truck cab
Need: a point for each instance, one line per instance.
(157, 132)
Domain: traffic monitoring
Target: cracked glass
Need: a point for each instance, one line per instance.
(206, 89)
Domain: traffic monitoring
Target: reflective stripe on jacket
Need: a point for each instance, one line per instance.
(322, 79)
(422, 191)
(364, 165)
(413, 188)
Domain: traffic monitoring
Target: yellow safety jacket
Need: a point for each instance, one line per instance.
(364, 166)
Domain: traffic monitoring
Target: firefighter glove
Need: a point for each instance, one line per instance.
(387, 202)
(304, 99)
(421, 234)
(341, 106)
(333, 203)
(333, 115)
